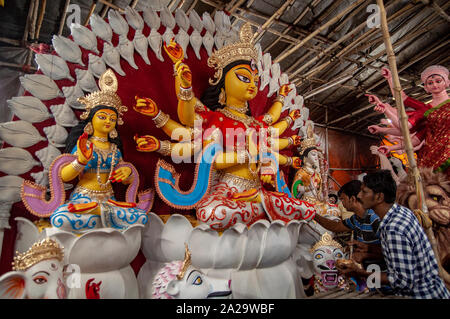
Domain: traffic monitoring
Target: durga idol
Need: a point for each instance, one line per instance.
(237, 178)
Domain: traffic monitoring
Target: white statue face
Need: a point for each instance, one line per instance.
(42, 281)
(324, 259)
(196, 285)
(313, 158)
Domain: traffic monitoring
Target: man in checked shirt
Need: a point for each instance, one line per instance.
(412, 269)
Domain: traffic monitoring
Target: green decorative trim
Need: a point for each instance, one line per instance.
(295, 187)
(428, 112)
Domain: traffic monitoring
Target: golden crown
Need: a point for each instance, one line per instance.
(242, 50)
(106, 96)
(42, 250)
(186, 262)
(326, 240)
(309, 140)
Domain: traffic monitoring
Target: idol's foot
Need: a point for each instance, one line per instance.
(122, 204)
(82, 208)
(252, 195)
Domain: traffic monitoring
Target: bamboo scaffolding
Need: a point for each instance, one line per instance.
(135, 2)
(317, 31)
(34, 20)
(437, 8)
(406, 9)
(296, 21)
(274, 16)
(421, 203)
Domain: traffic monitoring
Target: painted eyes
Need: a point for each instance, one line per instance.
(198, 281)
(243, 78)
(318, 256)
(103, 118)
(338, 255)
(40, 280)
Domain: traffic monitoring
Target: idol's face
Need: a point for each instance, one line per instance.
(104, 121)
(241, 83)
(435, 84)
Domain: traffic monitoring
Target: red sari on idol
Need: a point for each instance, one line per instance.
(432, 124)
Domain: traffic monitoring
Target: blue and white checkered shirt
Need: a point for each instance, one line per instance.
(411, 265)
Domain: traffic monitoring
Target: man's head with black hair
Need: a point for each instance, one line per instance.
(378, 188)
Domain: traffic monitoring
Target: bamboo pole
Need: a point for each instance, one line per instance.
(135, 2)
(28, 22)
(63, 18)
(318, 30)
(41, 18)
(91, 11)
(34, 20)
(405, 131)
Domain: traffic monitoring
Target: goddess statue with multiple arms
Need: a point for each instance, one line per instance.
(428, 123)
(237, 153)
(309, 184)
(93, 154)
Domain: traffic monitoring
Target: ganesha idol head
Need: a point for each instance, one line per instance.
(37, 273)
(180, 280)
(324, 255)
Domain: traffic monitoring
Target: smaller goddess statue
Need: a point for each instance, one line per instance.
(308, 184)
(93, 154)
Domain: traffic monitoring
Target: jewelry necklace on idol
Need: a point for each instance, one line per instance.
(113, 160)
(100, 139)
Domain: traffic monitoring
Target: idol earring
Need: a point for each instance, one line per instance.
(113, 133)
(89, 129)
(222, 97)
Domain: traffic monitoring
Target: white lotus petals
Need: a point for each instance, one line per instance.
(219, 39)
(20, 134)
(53, 66)
(10, 188)
(64, 115)
(100, 27)
(41, 86)
(152, 19)
(155, 42)
(267, 61)
(47, 155)
(96, 65)
(196, 41)
(299, 101)
(67, 49)
(168, 35)
(196, 21)
(85, 80)
(40, 178)
(72, 93)
(182, 19)
(167, 18)
(304, 111)
(126, 50)
(16, 161)
(289, 103)
(111, 56)
(208, 22)
(265, 79)
(84, 37)
(140, 43)
(284, 79)
(134, 18)
(29, 108)
(208, 42)
(118, 23)
(182, 38)
(56, 135)
(222, 22)
(259, 50)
